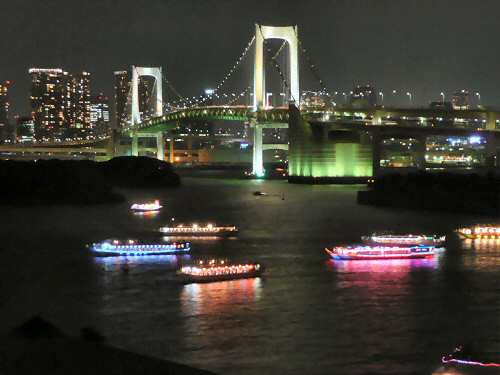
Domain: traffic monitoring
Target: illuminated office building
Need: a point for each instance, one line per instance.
(99, 114)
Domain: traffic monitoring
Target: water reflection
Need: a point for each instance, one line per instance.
(482, 245)
(147, 214)
(383, 265)
(482, 253)
(125, 263)
(219, 297)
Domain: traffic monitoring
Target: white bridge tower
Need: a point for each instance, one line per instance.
(138, 72)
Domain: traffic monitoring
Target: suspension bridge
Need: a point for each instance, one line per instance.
(250, 105)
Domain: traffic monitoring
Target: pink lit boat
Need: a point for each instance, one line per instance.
(366, 252)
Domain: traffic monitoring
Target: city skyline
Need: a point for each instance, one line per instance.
(421, 46)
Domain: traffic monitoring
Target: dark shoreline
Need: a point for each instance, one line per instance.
(447, 192)
(80, 182)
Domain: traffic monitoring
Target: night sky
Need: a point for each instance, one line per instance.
(425, 46)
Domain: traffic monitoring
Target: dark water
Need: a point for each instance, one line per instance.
(307, 315)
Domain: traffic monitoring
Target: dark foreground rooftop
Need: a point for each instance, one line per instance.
(38, 348)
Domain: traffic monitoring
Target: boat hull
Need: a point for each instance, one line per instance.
(139, 251)
(190, 279)
(381, 256)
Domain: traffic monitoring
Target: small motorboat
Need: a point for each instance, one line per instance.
(259, 193)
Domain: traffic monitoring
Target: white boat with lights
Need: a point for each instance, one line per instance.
(211, 271)
(480, 232)
(366, 252)
(199, 230)
(146, 207)
(404, 239)
(133, 247)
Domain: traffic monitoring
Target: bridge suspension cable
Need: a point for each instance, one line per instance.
(203, 98)
(311, 65)
(236, 97)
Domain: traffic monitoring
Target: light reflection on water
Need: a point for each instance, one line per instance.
(123, 263)
(302, 317)
(383, 265)
(482, 245)
(147, 214)
(217, 297)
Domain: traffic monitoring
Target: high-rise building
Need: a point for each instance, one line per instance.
(25, 129)
(60, 103)
(122, 88)
(49, 101)
(147, 105)
(460, 99)
(363, 97)
(99, 114)
(80, 99)
(4, 110)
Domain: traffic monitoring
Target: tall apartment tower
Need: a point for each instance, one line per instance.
(122, 89)
(50, 99)
(80, 99)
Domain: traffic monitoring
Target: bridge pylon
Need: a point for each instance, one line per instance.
(288, 34)
(137, 72)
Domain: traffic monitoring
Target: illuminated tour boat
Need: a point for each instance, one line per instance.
(480, 232)
(195, 229)
(146, 207)
(366, 252)
(205, 272)
(132, 247)
(404, 239)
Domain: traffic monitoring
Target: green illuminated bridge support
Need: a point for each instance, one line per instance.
(337, 149)
(276, 118)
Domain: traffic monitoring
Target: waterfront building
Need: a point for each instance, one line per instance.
(80, 101)
(25, 129)
(313, 100)
(99, 114)
(122, 89)
(147, 105)
(60, 103)
(441, 105)
(49, 100)
(4, 110)
(460, 100)
(363, 97)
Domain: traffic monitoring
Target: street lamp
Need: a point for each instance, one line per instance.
(410, 96)
(345, 97)
(478, 98)
(382, 96)
(442, 96)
